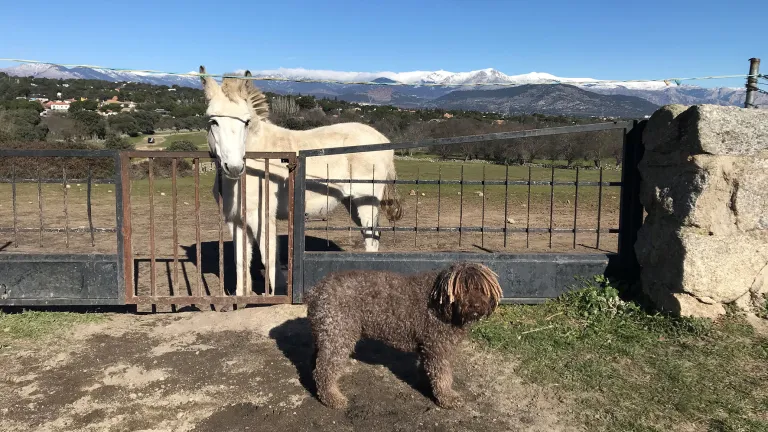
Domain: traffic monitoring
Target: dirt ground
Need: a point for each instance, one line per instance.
(246, 370)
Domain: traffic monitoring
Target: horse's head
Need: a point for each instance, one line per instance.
(235, 108)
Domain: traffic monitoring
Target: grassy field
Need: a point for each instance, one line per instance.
(163, 140)
(472, 205)
(631, 371)
(197, 138)
(558, 162)
(492, 207)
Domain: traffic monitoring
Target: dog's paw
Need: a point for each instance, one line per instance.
(450, 400)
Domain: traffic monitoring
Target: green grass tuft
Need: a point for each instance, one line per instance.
(34, 325)
(630, 370)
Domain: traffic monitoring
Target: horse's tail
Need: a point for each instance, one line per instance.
(390, 201)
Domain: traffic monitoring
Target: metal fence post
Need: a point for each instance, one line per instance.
(119, 221)
(123, 215)
(630, 208)
(299, 193)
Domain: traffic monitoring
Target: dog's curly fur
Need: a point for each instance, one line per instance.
(428, 313)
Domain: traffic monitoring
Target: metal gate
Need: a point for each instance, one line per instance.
(178, 290)
(117, 263)
(526, 277)
(100, 264)
(86, 270)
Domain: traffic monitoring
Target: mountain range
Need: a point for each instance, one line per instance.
(482, 90)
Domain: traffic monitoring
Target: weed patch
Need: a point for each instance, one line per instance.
(634, 371)
(33, 325)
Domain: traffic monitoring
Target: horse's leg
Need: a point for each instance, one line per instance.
(269, 259)
(368, 214)
(237, 243)
(248, 258)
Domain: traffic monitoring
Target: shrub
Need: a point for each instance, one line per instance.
(77, 167)
(182, 146)
(161, 168)
(115, 142)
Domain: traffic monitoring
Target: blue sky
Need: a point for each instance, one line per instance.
(606, 40)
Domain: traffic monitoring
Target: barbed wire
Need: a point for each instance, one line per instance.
(667, 81)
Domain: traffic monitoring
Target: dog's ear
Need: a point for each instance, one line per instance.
(466, 292)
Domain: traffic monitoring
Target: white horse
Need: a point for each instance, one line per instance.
(238, 114)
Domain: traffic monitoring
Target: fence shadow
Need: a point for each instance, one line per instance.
(209, 260)
(294, 339)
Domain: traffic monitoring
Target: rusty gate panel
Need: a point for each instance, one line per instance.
(201, 278)
(42, 263)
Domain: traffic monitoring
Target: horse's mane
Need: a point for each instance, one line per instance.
(235, 88)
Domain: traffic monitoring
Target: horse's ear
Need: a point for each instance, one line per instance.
(209, 84)
(202, 72)
(248, 83)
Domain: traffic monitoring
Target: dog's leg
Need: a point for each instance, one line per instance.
(329, 364)
(437, 365)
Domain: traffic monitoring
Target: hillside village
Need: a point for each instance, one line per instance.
(103, 113)
(112, 106)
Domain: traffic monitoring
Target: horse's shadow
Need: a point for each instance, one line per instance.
(294, 339)
(209, 260)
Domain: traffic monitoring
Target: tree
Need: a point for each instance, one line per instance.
(533, 147)
(306, 102)
(603, 144)
(114, 107)
(566, 147)
(413, 133)
(21, 104)
(146, 120)
(61, 126)
(86, 105)
(22, 125)
(90, 124)
(284, 106)
(125, 123)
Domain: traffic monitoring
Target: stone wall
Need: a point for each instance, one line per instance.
(704, 242)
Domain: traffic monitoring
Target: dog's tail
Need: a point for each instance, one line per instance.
(391, 204)
(462, 278)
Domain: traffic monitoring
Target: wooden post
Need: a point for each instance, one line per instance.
(754, 71)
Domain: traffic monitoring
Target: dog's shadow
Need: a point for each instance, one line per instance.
(294, 339)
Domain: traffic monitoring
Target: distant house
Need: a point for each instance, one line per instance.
(124, 105)
(447, 115)
(57, 105)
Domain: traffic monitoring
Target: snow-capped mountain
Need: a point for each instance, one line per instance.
(445, 78)
(423, 86)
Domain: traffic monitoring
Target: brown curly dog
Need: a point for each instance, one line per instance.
(428, 313)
